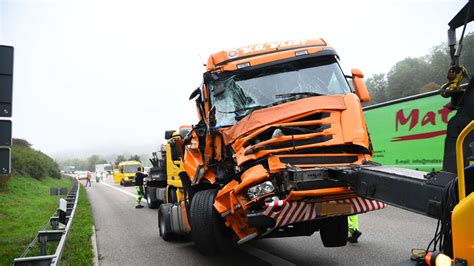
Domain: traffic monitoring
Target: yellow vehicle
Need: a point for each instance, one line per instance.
(163, 184)
(124, 173)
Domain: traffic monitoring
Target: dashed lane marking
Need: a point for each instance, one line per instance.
(121, 190)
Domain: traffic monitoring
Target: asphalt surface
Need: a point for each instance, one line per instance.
(129, 236)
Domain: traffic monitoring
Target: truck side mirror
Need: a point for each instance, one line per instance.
(195, 93)
(359, 84)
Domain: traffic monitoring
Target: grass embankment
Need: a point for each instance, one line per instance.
(25, 206)
(78, 249)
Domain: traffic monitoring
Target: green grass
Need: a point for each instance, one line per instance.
(25, 206)
(78, 249)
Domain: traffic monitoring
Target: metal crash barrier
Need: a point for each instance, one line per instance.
(52, 232)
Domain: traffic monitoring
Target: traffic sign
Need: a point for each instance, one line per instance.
(6, 80)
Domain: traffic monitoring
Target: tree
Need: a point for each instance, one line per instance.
(407, 77)
(421, 74)
(377, 86)
(439, 61)
(119, 159)
(92, 161)
(134, 158)
(430, 87)
(467, 55)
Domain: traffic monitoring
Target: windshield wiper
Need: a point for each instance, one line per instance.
(306, 93)
(253, 108)
(243, 112)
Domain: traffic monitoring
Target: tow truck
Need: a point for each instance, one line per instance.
(163, 184)
(124, 173)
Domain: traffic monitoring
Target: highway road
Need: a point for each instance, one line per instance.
(129, 236)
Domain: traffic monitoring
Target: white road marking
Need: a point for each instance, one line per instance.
(94, 247)
(121, 190)
(261, 254)
(265, 256)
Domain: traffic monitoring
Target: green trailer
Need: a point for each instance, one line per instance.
(409, 132)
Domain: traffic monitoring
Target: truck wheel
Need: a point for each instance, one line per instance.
(208, 230)
(161, 194)
(164, 222)
(172, 197)
(151, 198)
(334, 232)
(121, 182)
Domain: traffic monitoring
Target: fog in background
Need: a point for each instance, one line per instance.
(109, 77)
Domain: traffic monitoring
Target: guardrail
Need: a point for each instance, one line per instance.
(54, 234)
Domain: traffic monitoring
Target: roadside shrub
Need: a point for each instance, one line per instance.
(30, 162)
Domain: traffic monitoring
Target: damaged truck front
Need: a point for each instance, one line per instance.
(278, 123)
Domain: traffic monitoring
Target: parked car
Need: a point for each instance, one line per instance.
(81, 175)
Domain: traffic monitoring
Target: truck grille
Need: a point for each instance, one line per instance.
(311, 140)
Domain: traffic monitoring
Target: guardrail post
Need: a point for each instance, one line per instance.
(54, 224)
(43, 240)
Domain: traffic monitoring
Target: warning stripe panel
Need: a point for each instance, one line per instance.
(299, 211)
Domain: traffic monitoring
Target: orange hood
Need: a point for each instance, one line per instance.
(335, 120)
(285, 111)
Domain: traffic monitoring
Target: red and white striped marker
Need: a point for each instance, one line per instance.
(291, 212)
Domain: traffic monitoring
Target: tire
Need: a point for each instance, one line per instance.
(121, 182)
(164, 222)
(334, 232)
(151, 200)
(172, 197)
(208, 230)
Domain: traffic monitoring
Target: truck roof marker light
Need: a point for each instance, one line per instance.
(303, 52)
(243, 65)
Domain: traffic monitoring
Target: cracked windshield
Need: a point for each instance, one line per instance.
(236, 96)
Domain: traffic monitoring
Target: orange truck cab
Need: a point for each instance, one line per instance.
(278, 123)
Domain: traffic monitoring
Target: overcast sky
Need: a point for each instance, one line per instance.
(110, 76)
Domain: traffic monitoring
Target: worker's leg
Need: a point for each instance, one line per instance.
(354, 233)
(139, 196)
(353, 221)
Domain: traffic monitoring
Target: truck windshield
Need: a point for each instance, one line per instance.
(131, 168)
(238, 95)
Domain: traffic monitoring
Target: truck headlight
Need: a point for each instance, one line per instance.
(260, 189)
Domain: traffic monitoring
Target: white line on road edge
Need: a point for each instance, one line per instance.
(121, 190)
(94, 247)
(265, 256)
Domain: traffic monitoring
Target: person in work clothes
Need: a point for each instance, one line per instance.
(139, 187)
(354, 232)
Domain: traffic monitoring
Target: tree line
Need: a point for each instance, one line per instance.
(419, 74)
